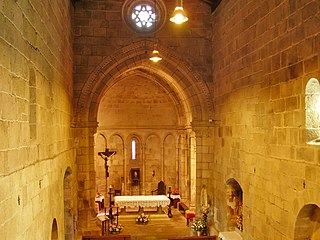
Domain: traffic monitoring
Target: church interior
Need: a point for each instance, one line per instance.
(220, 132)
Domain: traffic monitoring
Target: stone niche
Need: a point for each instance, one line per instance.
(234, 204)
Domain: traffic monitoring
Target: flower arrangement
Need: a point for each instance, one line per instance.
(198, 225)
(239, 222)
(142, 219)
(115, 228)
(175, 191)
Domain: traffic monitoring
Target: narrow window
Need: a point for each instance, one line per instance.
(133, 150)
(32, 104)
(312, 107)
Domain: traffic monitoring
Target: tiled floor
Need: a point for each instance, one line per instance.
(159, 227)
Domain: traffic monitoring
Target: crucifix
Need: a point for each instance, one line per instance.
(106, 155)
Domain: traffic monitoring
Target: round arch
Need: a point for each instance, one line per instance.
(68, 204)
(307, 224)
(234, 202)
(176, 74)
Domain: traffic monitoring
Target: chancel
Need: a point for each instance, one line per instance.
(218, 140)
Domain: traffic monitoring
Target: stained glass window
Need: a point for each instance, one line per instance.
(143, 15)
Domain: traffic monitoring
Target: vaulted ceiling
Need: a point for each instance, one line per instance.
(213, 3)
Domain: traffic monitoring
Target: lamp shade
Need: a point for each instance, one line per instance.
(155, 57)
(179, 16)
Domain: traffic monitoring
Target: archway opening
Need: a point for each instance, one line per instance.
(307, 225)
(173, 77)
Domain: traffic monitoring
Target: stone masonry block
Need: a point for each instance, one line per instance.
(306, 153)
(279, 105)
(292, 103)
(311, 64)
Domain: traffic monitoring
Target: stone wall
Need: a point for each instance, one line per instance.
(100, 31)
(264, 53)
(36, 90)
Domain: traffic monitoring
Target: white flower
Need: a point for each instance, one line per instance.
(142, 219)
(198, 225)
(115, 228)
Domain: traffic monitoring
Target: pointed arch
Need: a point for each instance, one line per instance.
(54, 230)
(184, 81)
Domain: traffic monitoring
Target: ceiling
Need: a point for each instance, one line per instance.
(212, 3)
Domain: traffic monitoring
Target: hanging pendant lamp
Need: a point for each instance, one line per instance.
(179, 16)
(155, 56)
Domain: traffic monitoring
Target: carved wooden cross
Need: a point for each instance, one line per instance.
(106, 155)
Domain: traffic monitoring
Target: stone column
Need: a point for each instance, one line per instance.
(204, 158)
(142, 183)
(193, 170)
(162, 161)
(183, 167)
(84, 135)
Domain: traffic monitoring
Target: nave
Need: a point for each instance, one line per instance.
(159, 227)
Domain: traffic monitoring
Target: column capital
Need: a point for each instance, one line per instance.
(87, 124)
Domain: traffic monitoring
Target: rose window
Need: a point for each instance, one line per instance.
(143, 16)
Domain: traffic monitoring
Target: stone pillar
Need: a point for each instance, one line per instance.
(162, 161)
(84, 135)
(143, 170)
(204, 159)
(183, 167)
(193, 170)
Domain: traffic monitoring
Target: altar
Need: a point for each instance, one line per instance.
(141, 201)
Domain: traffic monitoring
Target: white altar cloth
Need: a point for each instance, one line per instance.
(141, 201)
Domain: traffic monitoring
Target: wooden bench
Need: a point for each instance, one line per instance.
(182, 207)
(195, 237)
(107, 237)
(185, 210)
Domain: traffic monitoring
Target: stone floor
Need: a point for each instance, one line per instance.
(159, 227)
